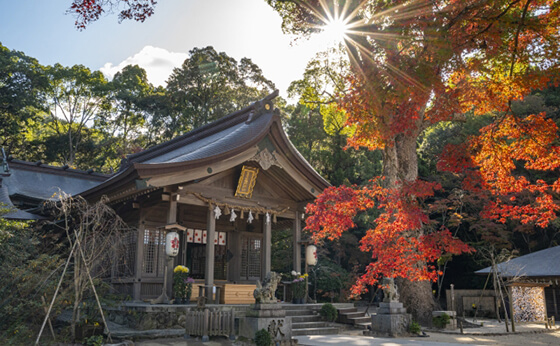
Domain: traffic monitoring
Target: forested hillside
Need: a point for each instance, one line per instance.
(75, 116)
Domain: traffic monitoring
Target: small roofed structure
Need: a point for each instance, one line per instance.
(534, 282)
(25, 186)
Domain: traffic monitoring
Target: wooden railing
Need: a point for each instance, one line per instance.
(210, 322)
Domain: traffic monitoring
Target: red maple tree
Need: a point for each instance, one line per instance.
(87, 11)
(417, 63)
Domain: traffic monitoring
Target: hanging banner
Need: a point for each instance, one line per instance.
(190, 235)
(198, 236)
(222, 238)
(172, 244)
(204, 234)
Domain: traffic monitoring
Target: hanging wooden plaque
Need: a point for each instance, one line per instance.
(246, 182)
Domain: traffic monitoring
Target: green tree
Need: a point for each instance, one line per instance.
(22, 87)
(125, 121)
(76, 98)
(317, 125)
(162, 119)
(210, 85)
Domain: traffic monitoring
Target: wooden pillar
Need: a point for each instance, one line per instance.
(137, 285)
(209, 269)
(554, 301)
(296, 242)
(234, 265)
(267, 243)
(171, 219)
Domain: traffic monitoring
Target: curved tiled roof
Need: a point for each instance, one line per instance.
(542, 263)
(15, 214)
(41, 182)
(219, 140)
(216, 143)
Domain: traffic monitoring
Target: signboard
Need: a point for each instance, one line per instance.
(246, 182)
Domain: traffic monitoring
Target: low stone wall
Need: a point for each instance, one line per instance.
(142, 316)
(484, 300)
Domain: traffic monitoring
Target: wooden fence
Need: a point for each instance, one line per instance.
(210, 322)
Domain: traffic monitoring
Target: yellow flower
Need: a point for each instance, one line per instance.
(181, 268)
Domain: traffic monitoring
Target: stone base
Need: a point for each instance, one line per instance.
(270, 317)
(391, 308)
(391, 320)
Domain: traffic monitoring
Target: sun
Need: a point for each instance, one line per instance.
(336, 30)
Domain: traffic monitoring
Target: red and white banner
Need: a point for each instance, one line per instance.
(198, 236)
(190, 235)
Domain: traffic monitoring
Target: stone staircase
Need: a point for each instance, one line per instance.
(307, 321)
(354, 317)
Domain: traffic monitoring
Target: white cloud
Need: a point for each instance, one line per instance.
(157, 62)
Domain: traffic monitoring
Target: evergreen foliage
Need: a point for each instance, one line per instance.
(263, 338)
(329, 312)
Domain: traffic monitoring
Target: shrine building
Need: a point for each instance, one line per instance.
(224, 188)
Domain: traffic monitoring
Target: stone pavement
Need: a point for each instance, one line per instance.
(489, 333)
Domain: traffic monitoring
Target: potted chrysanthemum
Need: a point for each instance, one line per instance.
(180, 277)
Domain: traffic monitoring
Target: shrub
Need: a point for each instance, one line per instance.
(95, 340)
(329, 312)
(441, 321)
(263, 338)
(329, 279)
(414, 328)
(26, 273)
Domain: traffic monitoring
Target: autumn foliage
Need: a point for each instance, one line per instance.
(403, 240)
(417, 63)
(87, 11)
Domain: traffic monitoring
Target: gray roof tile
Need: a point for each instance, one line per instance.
(544, 263)
(216, 143)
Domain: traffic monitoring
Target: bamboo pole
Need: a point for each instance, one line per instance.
(55, 294)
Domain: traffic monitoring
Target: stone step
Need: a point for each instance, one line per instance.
(306, 325)
(361, 319)
(306, 318)
(347, 310)
(353, 317)
(300, 312)
(301, 306)
(289, 306)
(351, 314)
(315, 331)
(363, 325)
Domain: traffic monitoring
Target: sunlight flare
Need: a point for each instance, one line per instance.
(336, 30)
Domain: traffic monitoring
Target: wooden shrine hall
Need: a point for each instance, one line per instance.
(224, 187)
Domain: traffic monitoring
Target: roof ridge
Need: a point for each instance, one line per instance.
(67, 169)
(208, 129)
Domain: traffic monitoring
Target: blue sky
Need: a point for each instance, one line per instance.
(240, 28)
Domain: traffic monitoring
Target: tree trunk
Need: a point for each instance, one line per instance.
(400, 163)
(418, 299)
